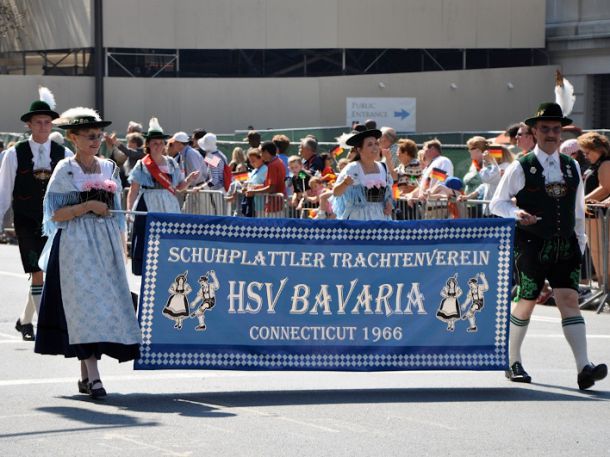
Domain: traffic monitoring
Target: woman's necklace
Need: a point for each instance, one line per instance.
(88, 170)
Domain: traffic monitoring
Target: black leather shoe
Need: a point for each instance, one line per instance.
(516, 373)
(26, 330)
(83, 386)
(590, 374)
(96, 392)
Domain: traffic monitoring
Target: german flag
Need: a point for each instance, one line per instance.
(438, 174)
(496, 153)
(337, 152)
(395, 191)
(241, 177)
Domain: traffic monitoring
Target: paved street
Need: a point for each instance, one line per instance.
(182, 413)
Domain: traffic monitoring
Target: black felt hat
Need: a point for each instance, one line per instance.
(155, 131)
(43, 106)
(548, 112)
(357, 137)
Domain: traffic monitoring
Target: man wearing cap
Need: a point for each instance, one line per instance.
(188, 158)
(549, 239)
(24, 176)
(215, 162)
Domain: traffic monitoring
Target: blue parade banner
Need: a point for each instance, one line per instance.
(288, 294)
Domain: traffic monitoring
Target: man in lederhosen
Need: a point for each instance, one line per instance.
(549, 239)
(24, 175)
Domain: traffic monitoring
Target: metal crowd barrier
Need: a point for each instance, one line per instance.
(597, 227)
(206, 202)
(218, 203)
(410, 210)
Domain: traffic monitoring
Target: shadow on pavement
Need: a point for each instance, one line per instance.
(212, 404)
(164, 403)
(98, 419)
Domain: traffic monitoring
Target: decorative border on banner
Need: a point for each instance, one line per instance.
(218, 227)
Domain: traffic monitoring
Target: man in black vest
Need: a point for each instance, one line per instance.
(549, 239)
(24, 175)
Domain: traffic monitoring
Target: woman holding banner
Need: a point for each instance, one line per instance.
(155, 179)
(86, 308)
(363, 190)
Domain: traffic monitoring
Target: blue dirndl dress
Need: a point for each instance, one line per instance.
(86, 307)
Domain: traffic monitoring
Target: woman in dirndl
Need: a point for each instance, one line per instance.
(363, 190)
(154, 180)
(86, 308)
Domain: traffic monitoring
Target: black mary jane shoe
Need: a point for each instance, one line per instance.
(83, 386)
(26, 330)
(97, 392)
(516, 373)
(591, 373)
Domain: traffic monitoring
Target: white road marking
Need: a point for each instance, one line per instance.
(11, 336)
(560, 335)
(13, 416)
(261, 413)
(147, 377)
(425, 422)
(13, 275)
(129, 439)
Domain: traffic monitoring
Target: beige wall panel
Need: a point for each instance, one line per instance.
(259, 24)
(291, 26)
(528, 19)
(481, 99)
(52, 24)
(391, 23)
(220, 105)
(230, 24)
(493, 23)
(458, 24)
(185, 24)
(19, 91)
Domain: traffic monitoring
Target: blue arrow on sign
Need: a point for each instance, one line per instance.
(402, 114)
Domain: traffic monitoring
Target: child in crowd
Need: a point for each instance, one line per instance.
(318, 195)
(300, 180)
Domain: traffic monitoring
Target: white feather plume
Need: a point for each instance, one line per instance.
(46, 96)
(342, 140)
(154, 125)
(78, 112)
(564, 96)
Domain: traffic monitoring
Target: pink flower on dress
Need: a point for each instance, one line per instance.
(89, 185)
(107, 185)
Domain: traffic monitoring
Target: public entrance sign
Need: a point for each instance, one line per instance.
(289, 294)
(396, 112)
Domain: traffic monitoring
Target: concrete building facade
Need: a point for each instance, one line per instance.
(452, 94)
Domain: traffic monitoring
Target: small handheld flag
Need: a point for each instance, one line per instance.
(496, 153)
(241, 177)
(438, 174)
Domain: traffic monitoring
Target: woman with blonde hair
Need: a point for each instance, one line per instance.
(238, 161)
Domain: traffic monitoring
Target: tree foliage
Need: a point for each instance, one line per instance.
(11, 20)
